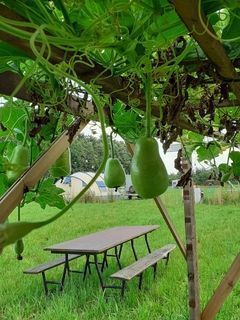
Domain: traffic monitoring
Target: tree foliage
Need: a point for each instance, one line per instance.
(87, 152)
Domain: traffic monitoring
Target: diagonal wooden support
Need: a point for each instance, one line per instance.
(171, 227)
(165, 215)
(223, 290)
(30, 177)
(192, 259)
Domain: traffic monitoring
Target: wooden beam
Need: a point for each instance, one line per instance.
(191, 242)
(31, 176)
(214, 50)
(223, 290)
(165, 214)
(171, 227)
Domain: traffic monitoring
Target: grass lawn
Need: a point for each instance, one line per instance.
(22, 296)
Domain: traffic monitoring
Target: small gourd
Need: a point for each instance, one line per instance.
(19, 248)
(62, 167)
(19, 163)
(114, 175)
(148, 173)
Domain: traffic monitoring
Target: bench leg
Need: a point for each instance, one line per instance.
(133, 249)
(154, 270)
(167, 258)
(123, 288)
(140, 281)
(45, 283)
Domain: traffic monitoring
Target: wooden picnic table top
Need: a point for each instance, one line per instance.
(101, 241)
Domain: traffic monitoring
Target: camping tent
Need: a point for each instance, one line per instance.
(74, 183)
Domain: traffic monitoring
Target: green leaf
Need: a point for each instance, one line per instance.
(224, 168)
(208, 151)
(49, 194)
(226, 177)
(236, 169)
(235, 156)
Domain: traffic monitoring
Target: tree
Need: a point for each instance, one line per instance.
(200, 176)
(87, 152)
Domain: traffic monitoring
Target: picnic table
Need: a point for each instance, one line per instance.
(100, 242)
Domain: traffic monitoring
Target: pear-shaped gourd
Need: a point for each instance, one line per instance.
(19, 163)
(148, 173)
(62, 167)
(114, 175)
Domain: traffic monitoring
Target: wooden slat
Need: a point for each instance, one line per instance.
(142, 264)
(50, 264)
(191, 246)
(165, 215)
(30, 177)
(214, 50)
(223, 290)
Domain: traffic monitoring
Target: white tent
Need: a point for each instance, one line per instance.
(74, 183)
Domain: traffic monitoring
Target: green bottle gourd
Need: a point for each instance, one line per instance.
(62, 167)
(114, 175)
(19, 163)
(19, 248)
(148, 173)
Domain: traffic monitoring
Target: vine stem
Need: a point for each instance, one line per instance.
(111, 142)
(148, 95)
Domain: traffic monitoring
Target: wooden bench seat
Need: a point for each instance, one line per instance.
(138, 267)
(52, 264)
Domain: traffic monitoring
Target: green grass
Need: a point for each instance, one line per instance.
(22, 297)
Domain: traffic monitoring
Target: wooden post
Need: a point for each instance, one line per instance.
(222, 291)
(31, 176)
(165, 215)
(192, 265)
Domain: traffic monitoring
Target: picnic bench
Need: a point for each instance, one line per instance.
(42, 268)
(101, 242)
(138, 267)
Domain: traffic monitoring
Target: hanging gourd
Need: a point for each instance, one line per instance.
(19, 160)
(62, 167)
(148, 173)
(19, 245)
(114, 175)
(19, 248)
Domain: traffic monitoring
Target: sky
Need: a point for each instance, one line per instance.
(93, 128)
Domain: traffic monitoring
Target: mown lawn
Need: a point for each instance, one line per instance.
(22, 297)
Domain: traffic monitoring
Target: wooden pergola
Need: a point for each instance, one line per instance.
(118, 88)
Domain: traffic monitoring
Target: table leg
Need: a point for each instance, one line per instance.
(87, 266)
(65, 270)
(45, 283)
(117, 257)
(120, 251)
(98, 271)
(147, 243)
(104, 261)
(133, 249)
